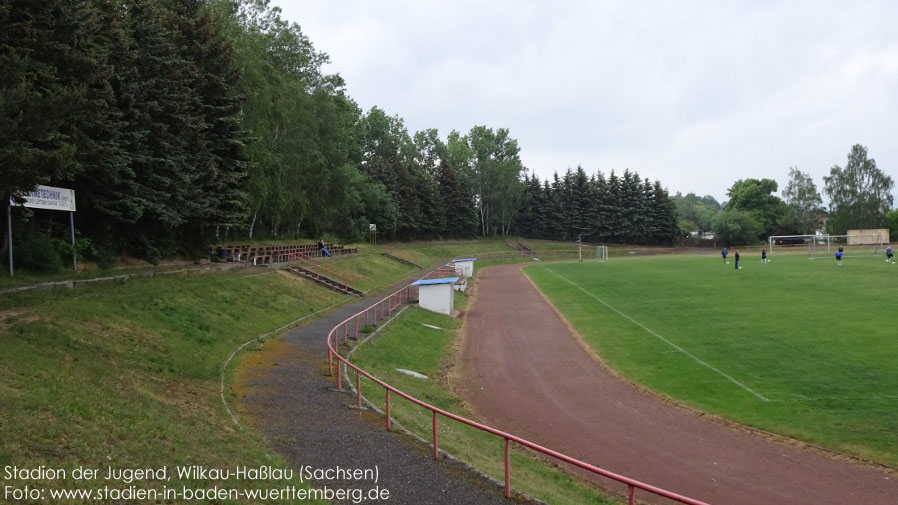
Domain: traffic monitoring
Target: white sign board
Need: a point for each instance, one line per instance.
(48, 197)
(372, 227)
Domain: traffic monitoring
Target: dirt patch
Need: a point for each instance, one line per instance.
(8, 317)
(253, 367)
(6, 314)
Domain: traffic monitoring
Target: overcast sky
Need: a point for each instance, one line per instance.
(694, 94)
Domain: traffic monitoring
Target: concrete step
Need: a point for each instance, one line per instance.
(325, 281)
(401, 260)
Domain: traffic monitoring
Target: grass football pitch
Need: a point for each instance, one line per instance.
(803, 348)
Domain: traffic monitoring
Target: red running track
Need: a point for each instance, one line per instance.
(523, 371)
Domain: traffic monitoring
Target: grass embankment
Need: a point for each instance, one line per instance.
(407, 344)
(379, 271)
(127, 376)
(813, 342)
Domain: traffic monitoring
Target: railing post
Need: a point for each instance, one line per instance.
(339, 376)
(507, 471)
(358, 389)
(436, 449)
(389, 424)
(631, 494)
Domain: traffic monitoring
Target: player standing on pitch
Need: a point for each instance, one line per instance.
(763, 256)
(839, 256)
(724, 254)
(736, 255)
(889, 255)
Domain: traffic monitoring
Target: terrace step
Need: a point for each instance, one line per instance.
(520, 247)
(325, 281)
(401, 260)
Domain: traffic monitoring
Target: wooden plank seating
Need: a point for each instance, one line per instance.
(268, 254)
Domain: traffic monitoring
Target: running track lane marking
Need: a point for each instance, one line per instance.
(668, 342)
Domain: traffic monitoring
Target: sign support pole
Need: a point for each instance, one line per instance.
(74, 253)
(580, 245)
(9, 230)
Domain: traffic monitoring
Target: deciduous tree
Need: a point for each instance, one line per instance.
(805, 207)
(860, 194)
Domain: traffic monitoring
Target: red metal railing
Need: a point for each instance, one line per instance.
(383, 309)
(444, 271)
(401, 254)
(332, 268)
(322, 270)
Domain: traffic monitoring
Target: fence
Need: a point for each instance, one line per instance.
(384, 308)
(268, 254)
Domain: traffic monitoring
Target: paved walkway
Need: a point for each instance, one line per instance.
(291, 401)
(524, 372)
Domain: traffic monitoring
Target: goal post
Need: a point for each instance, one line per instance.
(601, 253)
(854, 245)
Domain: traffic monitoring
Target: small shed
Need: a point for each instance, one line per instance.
(465, 266)
(436, 295)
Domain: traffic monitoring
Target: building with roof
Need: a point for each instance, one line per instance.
(436, 295)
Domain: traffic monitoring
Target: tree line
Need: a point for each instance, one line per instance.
(860, 196)
(618, 208)
(183, 122)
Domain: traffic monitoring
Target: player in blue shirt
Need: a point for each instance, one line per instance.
(839, 257)
(889, 255)
(724, 254)
(763, 256)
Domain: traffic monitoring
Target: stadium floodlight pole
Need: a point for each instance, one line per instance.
(580, 245)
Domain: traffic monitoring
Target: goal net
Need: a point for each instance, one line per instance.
(852, 245)
(601, 253)
(782, 244)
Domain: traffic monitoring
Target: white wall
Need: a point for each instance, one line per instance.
(465, 267)
(436, 298)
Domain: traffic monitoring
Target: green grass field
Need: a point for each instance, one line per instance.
(802, 348)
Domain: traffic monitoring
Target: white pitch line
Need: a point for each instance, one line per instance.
(668, 342)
